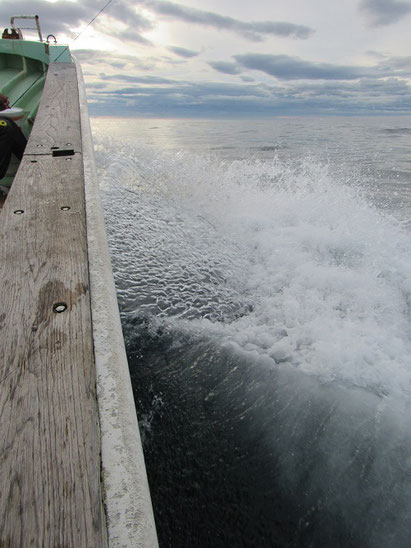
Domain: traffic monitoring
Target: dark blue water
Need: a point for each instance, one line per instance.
(263, 271)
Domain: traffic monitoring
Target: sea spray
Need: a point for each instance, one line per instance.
(266, 309)
(284, 260)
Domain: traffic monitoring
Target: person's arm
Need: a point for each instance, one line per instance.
(4, 102)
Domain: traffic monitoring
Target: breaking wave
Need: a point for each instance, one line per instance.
(279, 260)
(266, 310)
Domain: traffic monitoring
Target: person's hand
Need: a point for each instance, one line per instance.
(4, 102)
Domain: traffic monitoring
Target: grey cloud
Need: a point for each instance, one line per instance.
(131, 36)
(255, 31)
(212, 88)
(121, 11)
(365, 96)
(64, 15)
(296, 91)
(54, 17)
(225, 67)
(364, 89)
(93, 58)
(139, 79)
(306, 88)
(294, 68)
(396, 64)
(194, 90)
(384, 12)
(87, 55)
(96, 85)
(376, 54)
(288, 68)
(106, 60)
(183, 52)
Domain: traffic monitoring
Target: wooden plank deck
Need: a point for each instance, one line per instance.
(50, 491)
(57, 121)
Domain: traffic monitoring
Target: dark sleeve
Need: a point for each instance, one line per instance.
(13, 141)
(17, 138)
(5, 148)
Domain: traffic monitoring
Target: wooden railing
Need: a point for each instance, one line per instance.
(50, 489)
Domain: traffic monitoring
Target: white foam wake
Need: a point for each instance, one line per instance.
(279, 259)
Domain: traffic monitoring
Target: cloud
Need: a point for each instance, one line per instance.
(294, 68)
(122, 11)
(157, 80)
(400, 66)
(130, 36)
(375, 54)
(106, 60)
(112, 62)
(54, 17)
(183, 52)
(352, 98)
(225, 67)
(190, 91)
(285, 67)
(145, 96)
(366, 90)
(64, 16)
(96, 85)
(384, 12)
(255, 31)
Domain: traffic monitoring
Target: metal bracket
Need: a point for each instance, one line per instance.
(35, 17)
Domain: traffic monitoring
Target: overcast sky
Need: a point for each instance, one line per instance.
(236, 57)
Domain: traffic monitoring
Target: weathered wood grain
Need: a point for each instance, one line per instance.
(49, 442)
(58, 119)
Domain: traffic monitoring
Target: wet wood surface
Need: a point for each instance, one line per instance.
(50, 492)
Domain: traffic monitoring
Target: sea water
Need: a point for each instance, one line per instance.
(263, 270)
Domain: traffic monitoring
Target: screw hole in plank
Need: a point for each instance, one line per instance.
(58, 308)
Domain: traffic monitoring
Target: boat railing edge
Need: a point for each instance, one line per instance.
(128, 504)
